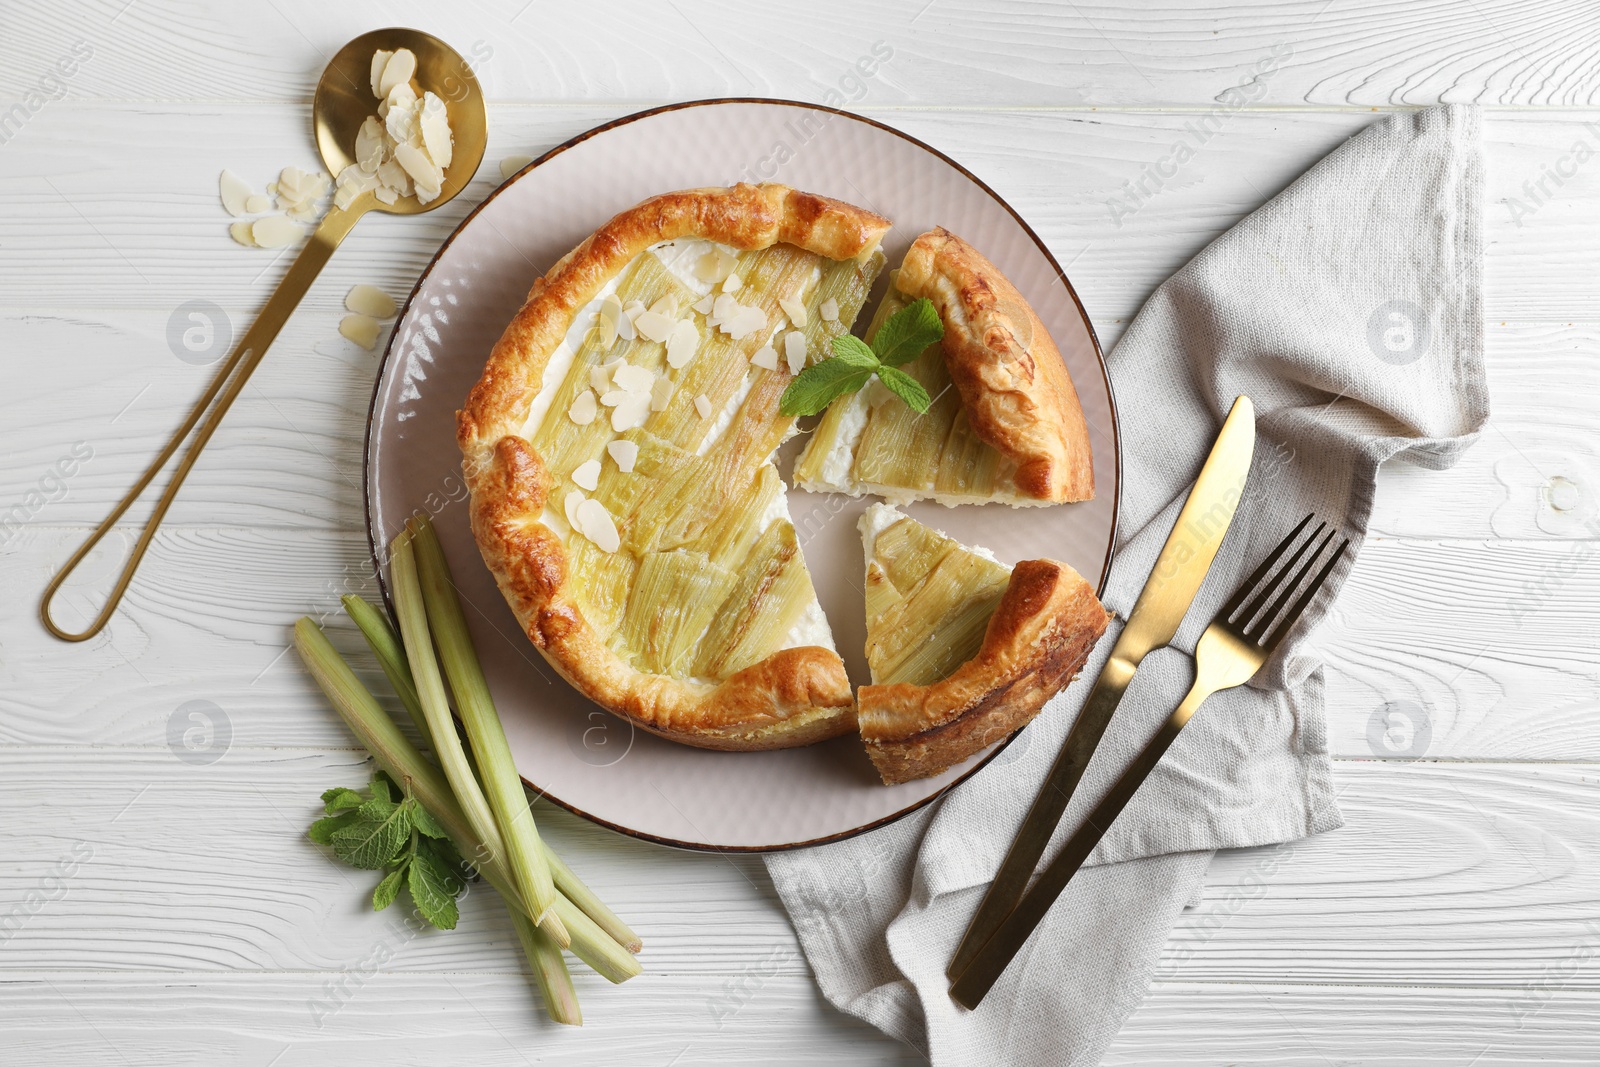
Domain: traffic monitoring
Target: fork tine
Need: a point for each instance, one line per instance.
(1262, 571)
(1285, 622)
(1263, 595)
(1264, 622)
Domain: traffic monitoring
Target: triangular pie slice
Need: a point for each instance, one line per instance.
(963, 649)
(1005, 424)
(619, 452)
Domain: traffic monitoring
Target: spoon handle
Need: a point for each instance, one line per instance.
(218, 397)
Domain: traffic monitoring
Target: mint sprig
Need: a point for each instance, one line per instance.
(400, 837)
(900, 339)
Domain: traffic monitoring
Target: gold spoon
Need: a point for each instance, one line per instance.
(344, 100)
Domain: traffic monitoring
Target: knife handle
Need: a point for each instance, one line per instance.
(1045, 815)
(990, 961)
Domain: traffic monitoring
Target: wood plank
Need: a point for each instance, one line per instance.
(948, 52)
(116, 206)
(459, 1016)
(1445, 875)
(1490, 642)
(1288, 1026)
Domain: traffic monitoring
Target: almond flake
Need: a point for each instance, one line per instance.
(745, 323)
(399, 123)
(655, 326)
(570, 506)
(235, 193)
(583, 409)
(258, 204)
(391, 175)
(667, 305)
(626, 453)
(829, 310)
(631, 413)
(732, 284)
(596, 524)
(380, 60)
(714, 266)
(637, 380)
(370, 147)
(240, 231)
(683, 344)
(660, 393)
(724, 308)
(586, 475)
(369, 300)
(625, 327)
(702, 404)
(400, 68)
(794, 350)
(705, 304)
(275, 231)
(766, 357)
(610, 315)
(511, 164)
(362, 329)
(386, 196)
(613, 397)
(795, 308)
(422, 170)
(600, 376)
(435, 124)
(303, 213)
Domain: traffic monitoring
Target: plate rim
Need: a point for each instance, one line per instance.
(385, 367)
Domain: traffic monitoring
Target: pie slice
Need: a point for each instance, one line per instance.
(963, 649)
(1005, 423)
(619, 452)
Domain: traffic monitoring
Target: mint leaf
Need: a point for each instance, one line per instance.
(371, 844)
(322, 830)
(433, 887)
(388, 889)
(382, 786)
(816, 387)
(852, 351)
(341, 799)
(425, 823)
(904, 335)
(906, 388)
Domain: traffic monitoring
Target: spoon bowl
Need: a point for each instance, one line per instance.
(344, 100)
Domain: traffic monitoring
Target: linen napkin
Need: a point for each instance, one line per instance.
(1348, 308)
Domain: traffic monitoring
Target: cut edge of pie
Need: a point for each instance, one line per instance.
(1042, 621)
(1012, 430)
(793, 696)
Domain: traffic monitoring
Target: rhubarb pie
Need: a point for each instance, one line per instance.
(1005, 424)
(963, 649)
(619, 451)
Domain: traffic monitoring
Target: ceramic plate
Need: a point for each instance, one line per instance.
(566, 747)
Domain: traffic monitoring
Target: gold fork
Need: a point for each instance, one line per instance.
(1230, 652)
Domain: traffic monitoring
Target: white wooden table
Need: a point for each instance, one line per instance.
(161, 906)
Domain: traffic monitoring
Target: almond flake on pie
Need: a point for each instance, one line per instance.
(794, 351)
(795, 308)
(766, 357)
(625, 453)
(829, 310)
(587, 474)
(682, 344)
(584, 408)
(702, 404)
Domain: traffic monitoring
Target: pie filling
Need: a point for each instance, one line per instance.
(929, 598)
(868, 442)
(657, 419)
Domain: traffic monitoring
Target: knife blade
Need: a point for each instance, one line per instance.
(1179, 571)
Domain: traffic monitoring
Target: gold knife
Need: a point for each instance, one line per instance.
(1162, 604)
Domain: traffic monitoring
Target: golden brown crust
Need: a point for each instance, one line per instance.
(793, 697)
(1014, 386)
(1041, 633)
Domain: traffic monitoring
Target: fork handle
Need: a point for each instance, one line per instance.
(991, 961)
(217, 398)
